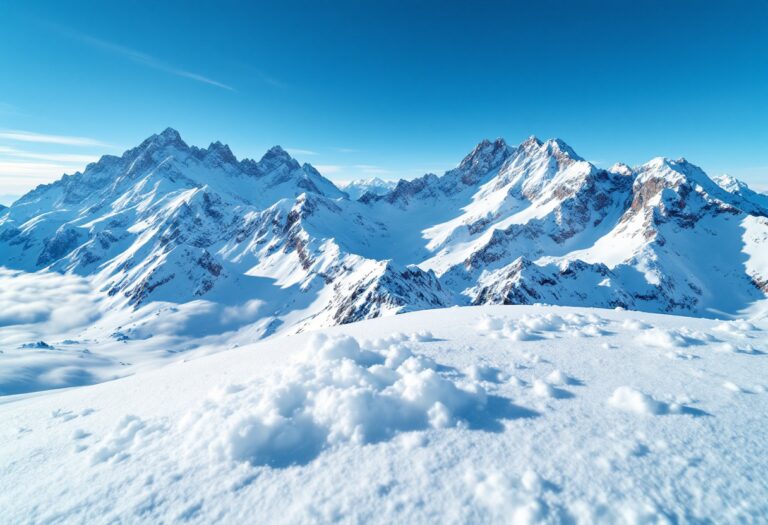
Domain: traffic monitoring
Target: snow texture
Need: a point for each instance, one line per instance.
(380, 422)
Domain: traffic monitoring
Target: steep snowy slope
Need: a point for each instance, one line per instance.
(171, 223)
(496, 415)
(537, 223)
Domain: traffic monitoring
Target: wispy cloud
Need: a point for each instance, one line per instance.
(42, 138)
(37, 169)
(18, 177)
(56, 157)
(299, 151)
(346, 150)
(141, 58)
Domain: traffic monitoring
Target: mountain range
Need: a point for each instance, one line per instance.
(278, 245)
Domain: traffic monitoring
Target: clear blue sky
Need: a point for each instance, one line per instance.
(385, 88)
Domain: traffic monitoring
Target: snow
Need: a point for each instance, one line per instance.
(631, 400)
(375, 185)
(376, 422)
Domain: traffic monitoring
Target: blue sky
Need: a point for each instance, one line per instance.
(392, 89)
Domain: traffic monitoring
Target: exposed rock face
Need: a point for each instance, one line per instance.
(509, 225)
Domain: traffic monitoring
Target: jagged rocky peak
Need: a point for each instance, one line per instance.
(556, 148)
(560, 150)
(531, 143)
(168, 137)
(219, 153)
(275, 157)
(276, 152)
(486, 155)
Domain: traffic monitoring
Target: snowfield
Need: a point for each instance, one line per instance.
(500, 414)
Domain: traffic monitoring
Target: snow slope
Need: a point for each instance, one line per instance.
(496, 414)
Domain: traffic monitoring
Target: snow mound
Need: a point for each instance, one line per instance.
(335, 392)
(629, 399)
(532, 327)
(738, 327)
(634, 324)
(667, 339)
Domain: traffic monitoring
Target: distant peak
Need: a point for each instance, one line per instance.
(531, 141)
(170, 134)
(222, 151)
(276, 152)
(168, 137)
(485, 149)
(559, 146)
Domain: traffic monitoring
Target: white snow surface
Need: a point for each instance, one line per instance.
(488, 414)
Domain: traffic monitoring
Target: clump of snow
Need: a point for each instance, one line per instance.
(733, 387)
(508, 500)
(488, 324)
(634, 324)
(533, 327)
(560, 378)
(336, 392)
(128, 432)
(422, 336)
(518, 333)
(663, 338)
(385, 342)
(543, 389)
(543, 323)
(730, 348)
(736, 327)
(479, 372)
(629, 399)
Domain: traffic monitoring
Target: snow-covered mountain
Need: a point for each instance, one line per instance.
(171, 224)
(357, 188)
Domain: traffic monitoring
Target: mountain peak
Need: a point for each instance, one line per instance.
(276, 152)
(168, 137)
(170, 134)
(222, 151)
(485, 155)
(531, 141)
(559, 147)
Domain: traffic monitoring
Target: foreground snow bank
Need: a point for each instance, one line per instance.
(334, 392)
(496, 415)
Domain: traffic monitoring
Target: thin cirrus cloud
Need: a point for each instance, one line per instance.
(22, 170)
(18, 177)
(299, 151)
(55, 157)
(142, 58)
(42, 138)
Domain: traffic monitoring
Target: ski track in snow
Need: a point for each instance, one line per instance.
(496, 414)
